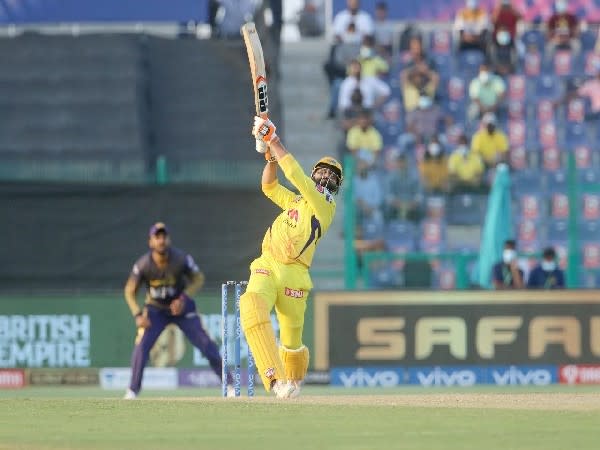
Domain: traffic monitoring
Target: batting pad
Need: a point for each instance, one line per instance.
(295, 362)
(260, 336)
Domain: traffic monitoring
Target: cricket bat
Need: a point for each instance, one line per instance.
(259, 75)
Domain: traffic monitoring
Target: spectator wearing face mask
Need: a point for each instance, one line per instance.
(506, 18)
(486, 92)
(489, 142)
(503, 53)
(472, 25)
(372, 64)
(547, 274)
(562, 30)
(422, 123)
(465, 169)
(418, 77)
(506, 273)
(433, 168)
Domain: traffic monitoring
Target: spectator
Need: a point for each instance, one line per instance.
(422, 123)
(506, 273)
(486, 92)
(547, 274)
(489, 142)
(383, 29)
(374, 91)
(562, 30)
(311, 18)
(416, 53)
(336, 69)
(506, 18)
(372, 64)
(402, 191)
(415, 80)
(503, 53)
(368, 194)
(364, 141)
(352, 23)
(591, 89)
(434, 168)
(472, 24)
(349, 116)
(465, 168)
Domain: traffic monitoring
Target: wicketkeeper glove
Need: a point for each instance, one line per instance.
(264, 129)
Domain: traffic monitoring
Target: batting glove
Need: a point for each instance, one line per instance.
(264, 129)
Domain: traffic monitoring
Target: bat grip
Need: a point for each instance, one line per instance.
(261, 147)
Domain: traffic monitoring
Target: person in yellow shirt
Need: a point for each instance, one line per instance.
(363, 139)
(433, 169)
(372, 65)
(279, 277)
(490, 143)
(465, 168)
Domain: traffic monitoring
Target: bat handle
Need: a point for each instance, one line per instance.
(261, 147)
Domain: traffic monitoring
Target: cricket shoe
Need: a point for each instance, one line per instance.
(297, 387)
(284, 389)
(129, 395)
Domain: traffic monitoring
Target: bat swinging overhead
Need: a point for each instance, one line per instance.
(259, 75)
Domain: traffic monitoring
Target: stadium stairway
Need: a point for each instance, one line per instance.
(309, 135)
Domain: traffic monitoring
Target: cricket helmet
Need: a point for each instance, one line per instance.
(333, 164)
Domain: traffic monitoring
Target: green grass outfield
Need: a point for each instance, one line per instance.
(561, 418)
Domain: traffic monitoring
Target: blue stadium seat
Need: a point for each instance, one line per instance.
(588, 176)
(444, 276)
(559, 205)
(558, 230)
(466, 209)
(400, 236)
(372, 229)
(527, 180)
(589, 279)
(440, 41)
(589, 206)
(556, 180)
(548, 87)
(533, 37)
(385, 277)
(575, 134)
(588, 40)
(588, 230)
(468, 62)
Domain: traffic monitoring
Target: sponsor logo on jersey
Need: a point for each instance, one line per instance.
(262, 271)
(270, 373)
(294, 293)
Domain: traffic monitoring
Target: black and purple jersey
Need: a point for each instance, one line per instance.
(164, 284)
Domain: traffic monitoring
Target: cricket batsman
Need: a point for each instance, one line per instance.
(280, 278)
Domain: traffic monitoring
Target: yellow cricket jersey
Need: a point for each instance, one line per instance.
(294, 234)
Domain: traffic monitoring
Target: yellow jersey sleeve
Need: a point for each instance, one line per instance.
(280, 195)
(317, 197)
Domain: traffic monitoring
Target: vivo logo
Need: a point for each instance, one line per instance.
(369, 378)
(440, 377)
(516, 376)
